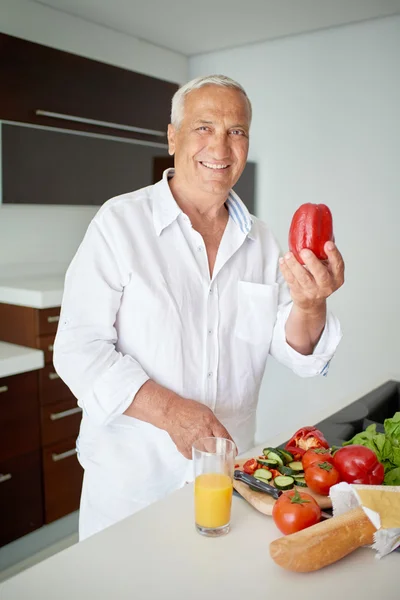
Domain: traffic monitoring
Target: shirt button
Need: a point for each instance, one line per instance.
(200, 248)
(210, 291)
(209, 331)
(209, 375)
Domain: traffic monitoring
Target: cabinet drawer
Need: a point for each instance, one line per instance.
(21, 501)
(51, 386)
(46, 344)
(19, 415)
(60, 421)
(62, 479)
(48, 320)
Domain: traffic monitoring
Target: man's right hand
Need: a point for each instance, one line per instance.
(188, 421)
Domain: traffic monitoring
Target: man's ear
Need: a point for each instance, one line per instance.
(171, 139)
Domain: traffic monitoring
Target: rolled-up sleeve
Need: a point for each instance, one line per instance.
(310, 365)
(103, 380)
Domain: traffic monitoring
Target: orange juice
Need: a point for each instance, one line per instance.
(213, 498)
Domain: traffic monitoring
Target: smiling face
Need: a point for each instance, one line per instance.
(212, 142)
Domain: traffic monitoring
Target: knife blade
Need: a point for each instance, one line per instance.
(261, 486)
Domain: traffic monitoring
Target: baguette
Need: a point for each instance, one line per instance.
(324, 543)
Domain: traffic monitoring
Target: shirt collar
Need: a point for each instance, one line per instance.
(166, 210)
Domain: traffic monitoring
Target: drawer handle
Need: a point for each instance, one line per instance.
(4, 478)
(65, 413)
(67, 454)
(53, 376)
(3, 388)
(50, 348)
(54, 319)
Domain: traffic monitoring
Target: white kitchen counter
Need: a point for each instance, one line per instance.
(18, 359)
(157, 554)
(36, 290)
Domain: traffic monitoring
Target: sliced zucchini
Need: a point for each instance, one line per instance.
(297, 466)
(300, 481)
(268, 462)
(287, 456)
(263, 475)
(273, 455)
(284, 482)
(298, 475)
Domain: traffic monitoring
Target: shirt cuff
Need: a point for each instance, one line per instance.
(313, 364)
(115, 390)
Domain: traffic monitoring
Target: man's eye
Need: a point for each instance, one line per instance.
(202, 128)
(237, 132)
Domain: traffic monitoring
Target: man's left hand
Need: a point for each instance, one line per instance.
(311, 286)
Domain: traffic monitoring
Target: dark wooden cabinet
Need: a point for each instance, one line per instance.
(35, 77)
(62, 479)
(19, 415)
(21, 497)
(60, 421)
(39, 413)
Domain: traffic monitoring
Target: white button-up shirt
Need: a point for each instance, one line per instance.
(139, 303)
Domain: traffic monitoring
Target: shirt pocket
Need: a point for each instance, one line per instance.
(256, 312)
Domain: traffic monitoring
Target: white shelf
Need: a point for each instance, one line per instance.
(42, 291)
(19, 359)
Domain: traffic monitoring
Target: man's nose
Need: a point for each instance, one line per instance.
(219, 146)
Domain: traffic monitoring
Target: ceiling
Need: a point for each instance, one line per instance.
(194, 27)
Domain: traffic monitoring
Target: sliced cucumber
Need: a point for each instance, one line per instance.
(298, 475)
(287, 471)
(263, 475)
(273, 455)
(268, 462)
(297, 466)
(300, 481)
(287, 456)
(284, 482)
(255, 489)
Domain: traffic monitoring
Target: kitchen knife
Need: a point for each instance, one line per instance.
(261, 486)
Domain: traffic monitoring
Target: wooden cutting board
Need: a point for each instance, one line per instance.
(264, 502)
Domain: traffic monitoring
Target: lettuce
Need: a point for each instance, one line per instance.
(385, 445)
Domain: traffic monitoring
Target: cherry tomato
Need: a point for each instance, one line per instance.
(358, 464)
(316, 455)
(250, 466)
(320, 477)
(294, 511)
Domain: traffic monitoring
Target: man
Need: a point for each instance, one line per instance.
(172, 304)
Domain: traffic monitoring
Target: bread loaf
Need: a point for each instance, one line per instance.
(324, 543)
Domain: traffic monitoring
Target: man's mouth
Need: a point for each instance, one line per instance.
(214, 166)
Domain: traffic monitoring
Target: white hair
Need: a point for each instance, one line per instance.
(178, 100)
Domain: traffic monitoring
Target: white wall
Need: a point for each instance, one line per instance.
(31, 235)
(326, 129)
(48, 26)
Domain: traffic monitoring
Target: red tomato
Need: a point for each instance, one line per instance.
(320, 477)
(250, 466)
(316, 455)
(358, 464)
(294, 511)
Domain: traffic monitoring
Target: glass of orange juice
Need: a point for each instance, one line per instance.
(213, 462)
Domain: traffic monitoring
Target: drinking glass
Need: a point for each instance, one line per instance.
(213, 463)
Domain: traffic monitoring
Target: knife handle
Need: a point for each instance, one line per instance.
(256, 483)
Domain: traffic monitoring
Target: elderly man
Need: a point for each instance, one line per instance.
(172, 304)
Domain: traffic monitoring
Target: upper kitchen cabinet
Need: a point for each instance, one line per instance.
(74, 130)
(44, 86)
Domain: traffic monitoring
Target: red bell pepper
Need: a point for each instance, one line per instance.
(304, 439)
(250, 466)
(311, 228)
(358, 464)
